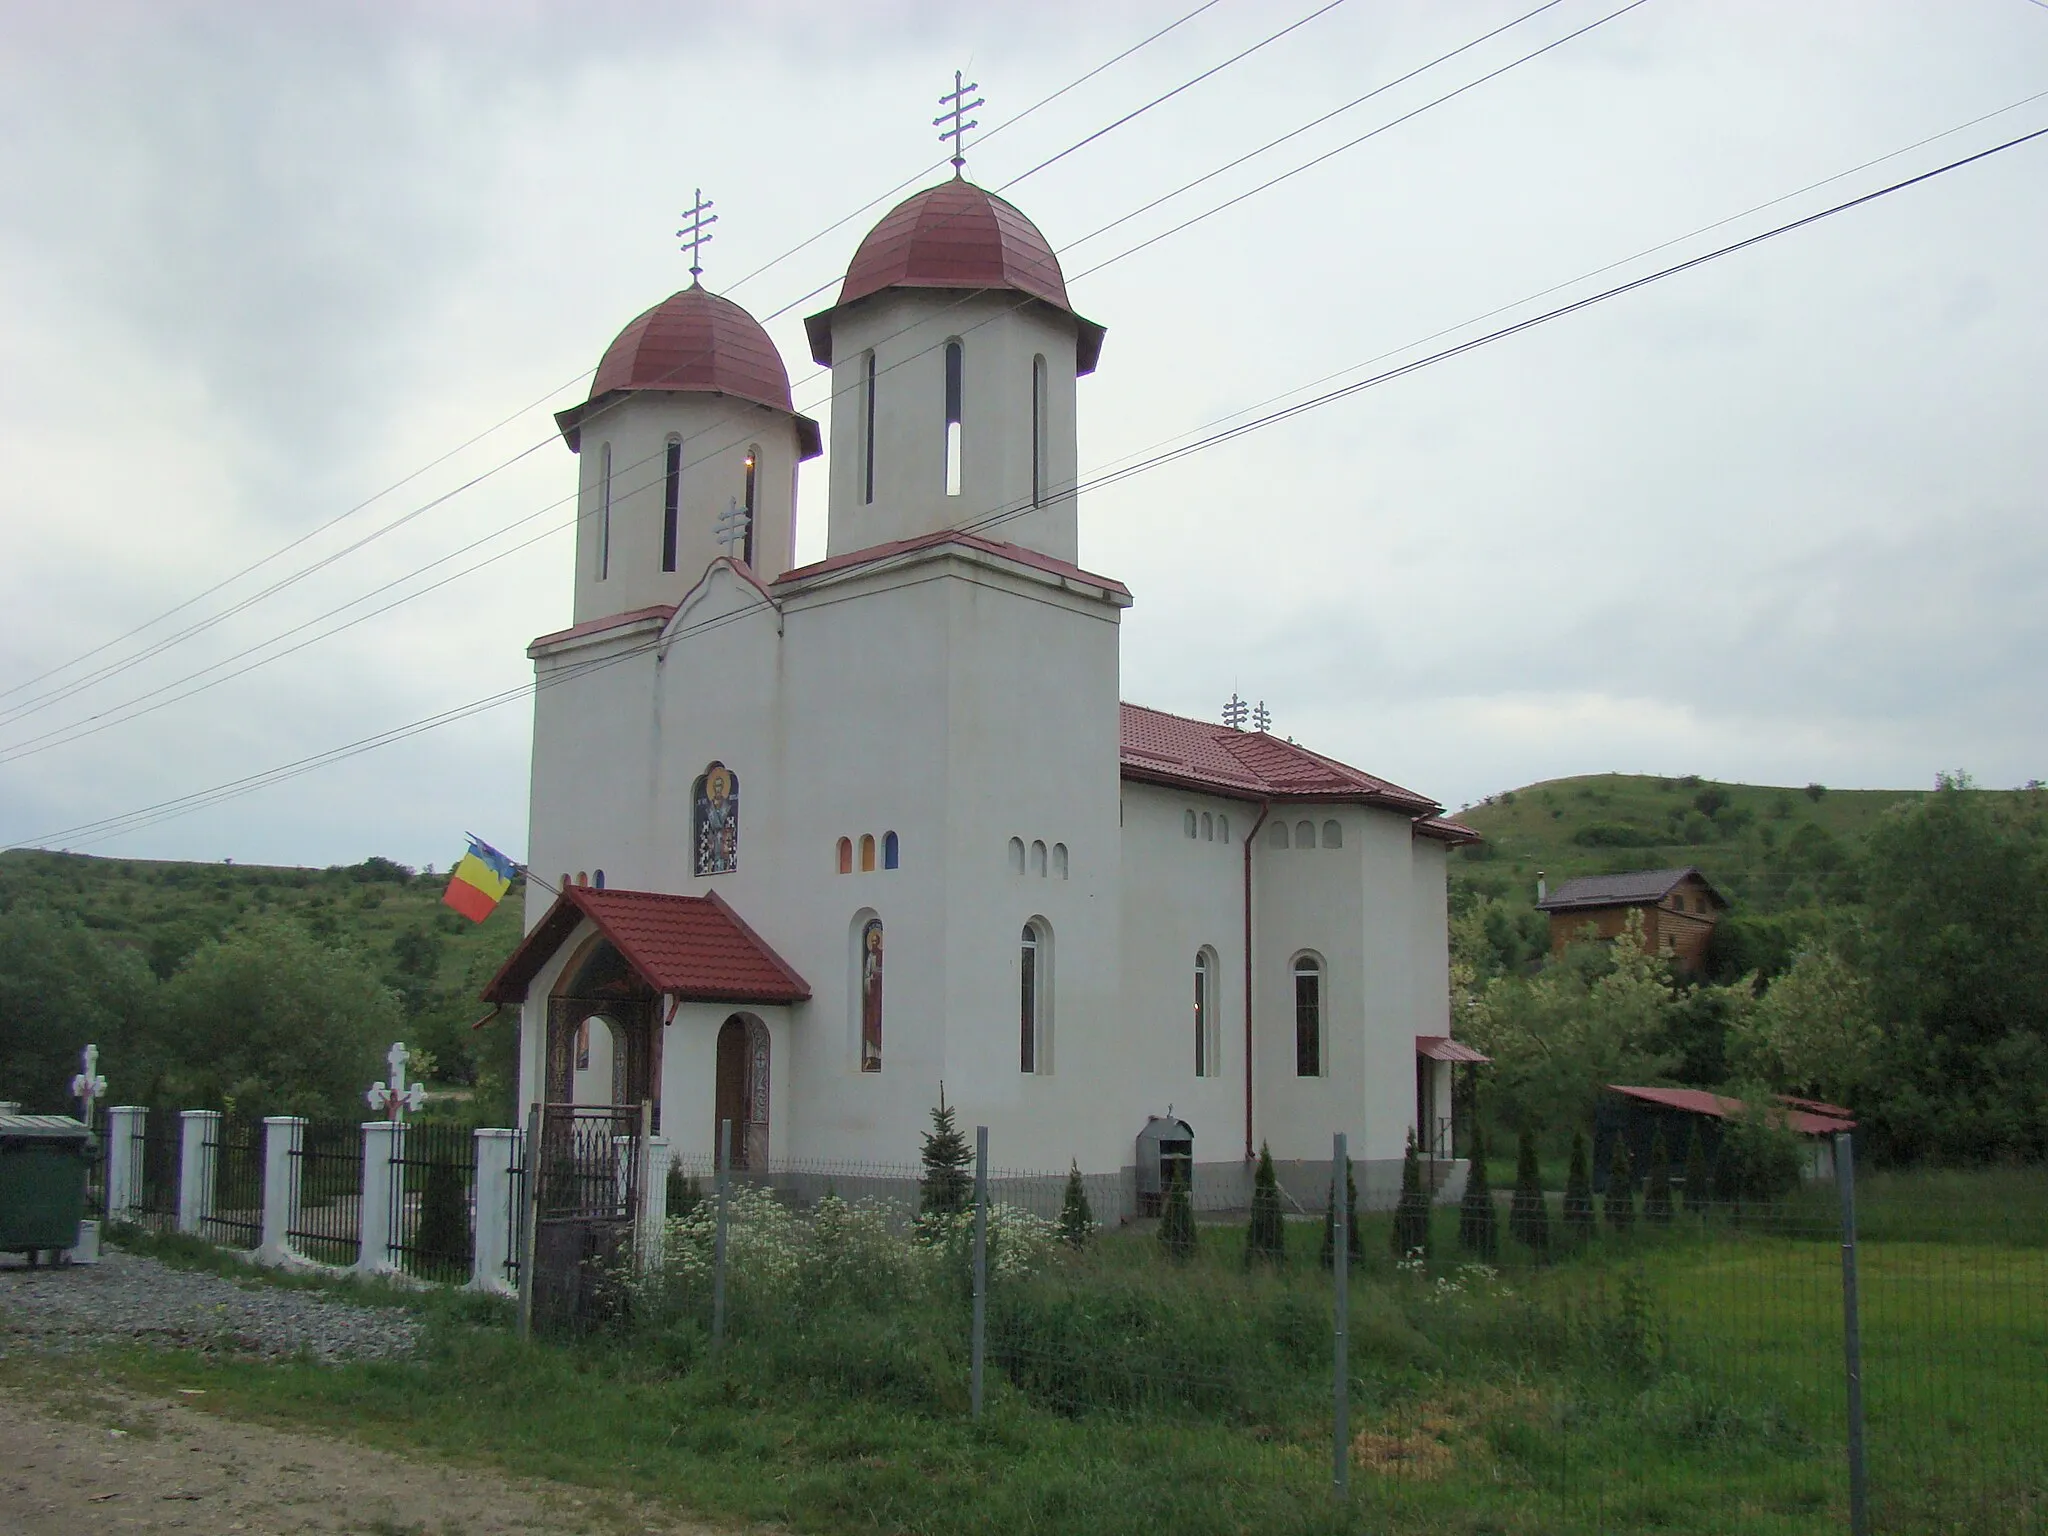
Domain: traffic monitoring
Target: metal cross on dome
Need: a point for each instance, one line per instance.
(949, 122)
(694, 234)
(88, 1086)
(398, 1096)
(732, 528)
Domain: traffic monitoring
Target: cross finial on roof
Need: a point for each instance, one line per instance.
(1235, 711)
(950, 123)
(732, 527)
(695, 232)
(1262, 717)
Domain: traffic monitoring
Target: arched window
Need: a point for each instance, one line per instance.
(1038, 858)
(671, 498)
(1304, 834)
(867, 852)
(563, 883)
(1278, 836)
(1208, 828)
(1222, 828)
(1038, 425)
(1035, 998)
(1187, 822)
(867, 455)
(1016, 855)
(1333, 834)
(604, 511)
(891, 850)
(955, 389)
(1308, 1017)
(1206, 1033)
(1059, 860)
(597, 879)
(583, 1046)
(846, 855)
(583, 877)
(870, 994)
(715, 820)
(753, 466)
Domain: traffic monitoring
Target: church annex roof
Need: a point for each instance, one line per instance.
(692, 947)
(693, 340)
(1631, 888)
(1160, 748)
(955, 235)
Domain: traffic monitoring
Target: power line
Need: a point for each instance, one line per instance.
(164, 810)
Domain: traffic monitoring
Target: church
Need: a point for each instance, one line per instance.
(829, 835)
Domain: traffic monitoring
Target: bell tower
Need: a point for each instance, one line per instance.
(954, 355)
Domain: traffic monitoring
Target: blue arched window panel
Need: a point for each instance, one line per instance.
(889, 850)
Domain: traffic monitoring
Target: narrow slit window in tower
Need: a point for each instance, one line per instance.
(867, 458)
(955, 367)
(671, 491)
(604, 512)
(1037, 430)
(753, 468)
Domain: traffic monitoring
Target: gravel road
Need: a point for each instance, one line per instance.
(127, 1296)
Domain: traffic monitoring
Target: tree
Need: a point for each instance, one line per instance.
(63, 987)
(1265, 1239)
(1698, 1188)
(1177, 1221)
(1478, 1223)
(1578, 1193)
(1077, 1219)
(1353, 1248)
(443, 1239)
(1621, 1187)
(946, 1186)
(1529, 1216)
(1814, 1031)
(1657, 1190)
(1411, 1210)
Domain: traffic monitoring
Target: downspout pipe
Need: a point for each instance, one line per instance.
(1251, 837)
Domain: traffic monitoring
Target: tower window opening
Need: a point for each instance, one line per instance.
(1037, 430)
(846, 855)
(1208, 1058)
(1034, 998)
(604, 512)
(671, 495)
(867, 458)
(753, 463)
(867, 853)
(955, 371)
(892, 851)
(1308, 1017)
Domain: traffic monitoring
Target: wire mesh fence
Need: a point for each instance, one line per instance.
(433, 1202)
(233, 1164)
(1629, 1360)
(323, 1220)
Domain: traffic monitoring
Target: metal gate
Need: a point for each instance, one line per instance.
(584, 1162)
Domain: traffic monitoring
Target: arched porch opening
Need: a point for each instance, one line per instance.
(599, 988)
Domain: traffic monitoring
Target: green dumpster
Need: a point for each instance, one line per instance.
(43, 1163)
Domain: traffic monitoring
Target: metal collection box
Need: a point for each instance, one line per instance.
(44, 1160)
(1166, 1152)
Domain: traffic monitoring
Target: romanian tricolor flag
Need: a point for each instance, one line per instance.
(479, 881)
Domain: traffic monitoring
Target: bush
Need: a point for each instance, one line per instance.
(1578, 1193)
(1177, 1222)
(1698, 1187)
(1478, 1228)
(443, 1241)
(1410, 1234)
(1621, 1188)
(1077, 1219)
(1657, 1190)
(1353, 1248)
(1529, 1216)
(1265, 1239)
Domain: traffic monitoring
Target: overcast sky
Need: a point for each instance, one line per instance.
(1775, 520)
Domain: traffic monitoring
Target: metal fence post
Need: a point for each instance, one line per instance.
(199, 1131)
(1340, 1270)
(718, 1238)
(980, 1336)
(529, 1217)
(1852, 1336)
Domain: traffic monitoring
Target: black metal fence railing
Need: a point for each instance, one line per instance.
(96, 1179)
(516, 1209)
(233, 1149)
(324, 1221)
(433, 1200)
(155, 1149)
(588, 1168)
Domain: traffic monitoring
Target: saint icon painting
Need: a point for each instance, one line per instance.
(715, 817)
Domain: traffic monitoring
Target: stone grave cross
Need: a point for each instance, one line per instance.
(88, 1087)
(396, 1097)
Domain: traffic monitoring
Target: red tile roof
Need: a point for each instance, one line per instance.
(661, 611)
(692, 947)
(1444, 830)
(1016, 552)
(1197, 754)
(955, 235)
(1698, 1101)
(694, 340)
(1444, 1048)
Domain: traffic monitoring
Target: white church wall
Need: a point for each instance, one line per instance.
(1181, 895)
(1000, 334)
(1386, 857)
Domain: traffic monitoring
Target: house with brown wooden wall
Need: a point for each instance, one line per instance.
(1679, 909)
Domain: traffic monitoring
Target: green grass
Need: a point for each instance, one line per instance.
(1688, 1380)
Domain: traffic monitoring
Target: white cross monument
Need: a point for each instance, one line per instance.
(88, 1087)
(396, 1097)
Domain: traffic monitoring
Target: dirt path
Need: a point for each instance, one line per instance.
(86, 1456)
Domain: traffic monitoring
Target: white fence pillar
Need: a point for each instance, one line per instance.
(126, 1124)
(199, 1132)
(497, 1155)
(283, 1136)
(653, 1213)
(383, 1145)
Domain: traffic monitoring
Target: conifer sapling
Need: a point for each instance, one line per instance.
(1352, 1246)
(1578, 1193)
(1265, 1239)
(1177, 1222)
(1697, 1188)
(946, 1186)
(1657, 1191)
(1621, 1187)
(1529, 1216)
(1077, 1219)
(1411, 1211)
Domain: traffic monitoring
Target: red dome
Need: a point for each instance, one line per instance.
(692, 340)
(954, 235)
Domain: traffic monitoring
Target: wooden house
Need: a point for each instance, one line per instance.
(1679, 909)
